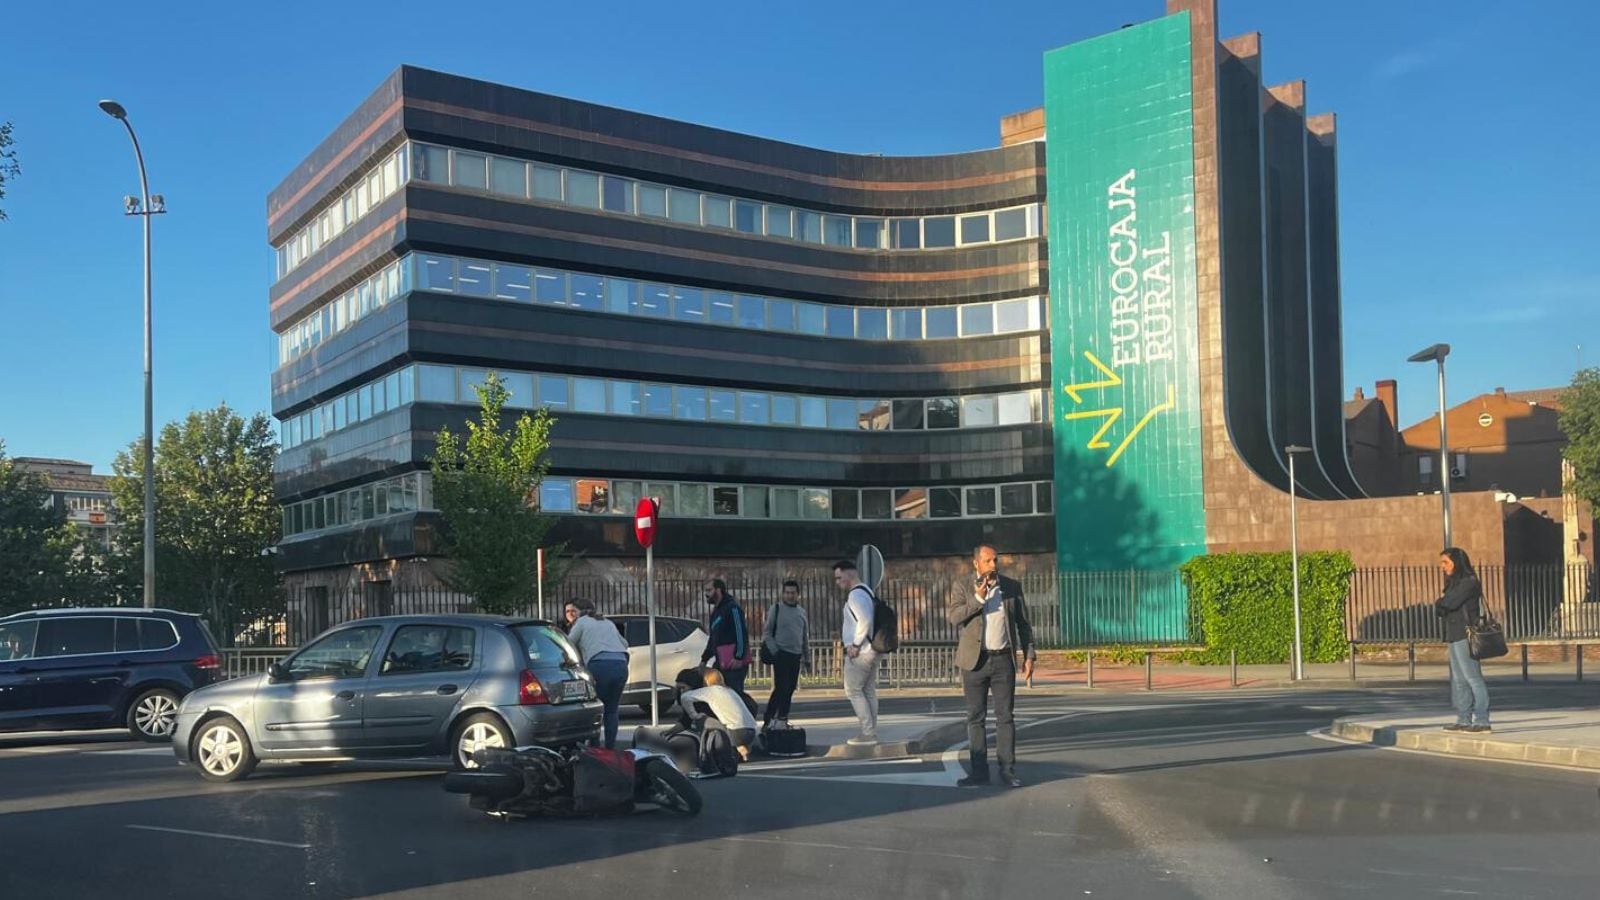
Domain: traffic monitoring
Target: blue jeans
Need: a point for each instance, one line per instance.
(610, 677)
(1467, 689)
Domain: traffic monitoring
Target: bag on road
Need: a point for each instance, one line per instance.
(783, 742)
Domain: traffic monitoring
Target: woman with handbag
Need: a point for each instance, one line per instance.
(1462, 609)
(783, 647)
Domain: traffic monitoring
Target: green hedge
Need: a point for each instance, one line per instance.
(1245, 602)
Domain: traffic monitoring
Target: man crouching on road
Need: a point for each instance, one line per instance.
(993, 623)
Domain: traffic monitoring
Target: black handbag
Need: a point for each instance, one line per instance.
(1485, 639)
(768, 657)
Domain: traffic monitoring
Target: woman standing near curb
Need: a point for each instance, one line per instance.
(605, 655)
(1461, 606)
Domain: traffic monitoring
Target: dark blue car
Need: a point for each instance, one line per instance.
(72, 669)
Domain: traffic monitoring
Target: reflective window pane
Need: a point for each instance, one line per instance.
(816, 503)
(555, 495)
(780, 221)
(723, 308)
(622, 296)
(719, 211)
(689, 305)
(907, 234)
(977, 319)
(586, 292)
(1044, 497)
(911, 503)
(939, 232)
(872, 415)
(810, 318)
(785, 503)
(430, 163)
(1016, 499)
(1010, 224)
(553, 391)
(842, 413)
(508, 177)
(593, 495)
(841, 321)
(837, 231)
(474, 278)
(653, 200)
(1012, 315)
(724, 406)
(980, 501)
(807, 226)
(546, 183)
(940, 322)
(1016, 408)
(846, 503)
(692, 501)
(655, 300)
(908, 415)
(906, 324)
(665, 493)
(617, 194)
(752, 312)
(877, 503)
(435, 273)
(977, 412)
(785, 409)
(756, 503)
(684, 206)
(813, 412)
(753, 408)
(944, 412)
(869, 234)
(625, 399)
(624, 497)
(550, 286)
(872, 323)
(583, 189)
(520, 386)
(747, 216)
(588, 395)
(471, 170)
(513, 282)
(691, 403)
(658, 400)
(975, 229)
(725, 501)
(780, 315)
(945, 503)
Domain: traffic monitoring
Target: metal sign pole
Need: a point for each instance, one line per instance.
(541, 582)
(650, 599)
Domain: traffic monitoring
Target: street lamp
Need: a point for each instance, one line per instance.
(1298, 663)
(1436, 354)
(146, 206)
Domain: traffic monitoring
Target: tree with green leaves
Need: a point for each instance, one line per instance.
(484, 488)
(215, 515)
(1580, 422)
(36, 542)
(9, 167)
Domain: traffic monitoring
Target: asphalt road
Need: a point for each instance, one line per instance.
(1166, 795)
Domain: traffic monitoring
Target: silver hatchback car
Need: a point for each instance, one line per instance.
(398, 686)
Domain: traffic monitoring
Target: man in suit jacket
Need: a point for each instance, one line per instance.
(993, 619)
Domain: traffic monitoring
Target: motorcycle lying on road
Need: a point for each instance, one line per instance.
(581, 781)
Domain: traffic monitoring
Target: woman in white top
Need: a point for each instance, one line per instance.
(605, 655)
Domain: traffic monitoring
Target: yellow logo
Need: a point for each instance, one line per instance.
(1110, 415)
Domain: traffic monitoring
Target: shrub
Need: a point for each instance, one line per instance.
(1245, 602)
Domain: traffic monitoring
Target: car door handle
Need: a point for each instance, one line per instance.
(346, 695)
(447, 689)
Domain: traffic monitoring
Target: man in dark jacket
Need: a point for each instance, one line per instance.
(993, 622)
(728, 648)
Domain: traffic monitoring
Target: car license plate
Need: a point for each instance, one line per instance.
(574, 690)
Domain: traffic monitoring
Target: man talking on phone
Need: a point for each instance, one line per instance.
(993, 623)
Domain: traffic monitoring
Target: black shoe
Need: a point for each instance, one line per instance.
(1480, 729)
(974, 781)
(1458, 727)
(1010, 779)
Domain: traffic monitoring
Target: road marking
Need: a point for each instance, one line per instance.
(222, 837)
(37, 751)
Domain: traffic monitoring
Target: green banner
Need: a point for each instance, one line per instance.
(1119, 143)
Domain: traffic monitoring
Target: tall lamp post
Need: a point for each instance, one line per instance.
(146, 206)
(1293, 450)
(1436, 354)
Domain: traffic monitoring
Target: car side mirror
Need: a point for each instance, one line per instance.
(276, 672)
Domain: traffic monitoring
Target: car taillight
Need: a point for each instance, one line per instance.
(530, 691)
(209, 662)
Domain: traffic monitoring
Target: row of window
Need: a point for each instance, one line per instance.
(599, 496)
(507, 177)
(84, 636)
(693, 500)
(87, 502)
(407, 493)
(350, 408)
(609, 396)
(385, 177)
(628, 297)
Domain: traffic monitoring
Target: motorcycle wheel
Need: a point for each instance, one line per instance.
(670, 789)
(484, 783)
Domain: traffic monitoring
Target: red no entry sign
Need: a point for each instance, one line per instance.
(644, 520)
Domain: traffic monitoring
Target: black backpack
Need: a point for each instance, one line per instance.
(885, 635)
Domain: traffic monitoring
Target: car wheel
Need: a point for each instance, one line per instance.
(153, 715)
(482, 731)
(222, 750)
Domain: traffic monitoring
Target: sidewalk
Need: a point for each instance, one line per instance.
(1566, 737)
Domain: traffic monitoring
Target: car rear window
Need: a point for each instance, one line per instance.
(545, 645)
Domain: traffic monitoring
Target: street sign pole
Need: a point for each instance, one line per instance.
(541, 582)
(645, 517)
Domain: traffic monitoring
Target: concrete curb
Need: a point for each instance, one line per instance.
(1430, 739)
(934, 740)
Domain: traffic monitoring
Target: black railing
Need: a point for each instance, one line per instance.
(1532, 602)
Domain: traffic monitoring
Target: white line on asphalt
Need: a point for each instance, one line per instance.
(223, 837)
(1323, 734)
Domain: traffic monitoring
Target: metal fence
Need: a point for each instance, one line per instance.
(1534, 603)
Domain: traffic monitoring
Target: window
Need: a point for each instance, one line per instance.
(583, 189)
(546, 184)
(653, 200)
(780, 221)
(815, 503)
(725, 501)
(753, 408)
(586, 292)
(719, 212)
(945, 502)
(658, 400)
(911, 503)
(980, 501)
(943, 412)
(724, 406)
(813, 412)
(869, 234)
(550, 286)
(846, 503)
(756, 502)
(471, 170)
(342, 654)
(1016, 499)
(872, 415)
(546, 646)
(841, 321)
(553, 391)
(977, 319)
(837, 231)
(684, 206)
(842, 413)
(780, 315)
(785, 409)
(588, 395)
(1425, 469)
(429, 648)
(520, 388)
(1010, 224)
(807, 227)
(1044, 497)
(625, 399)
(513, 283)
(1013, 315)
(622, 296)
(616, 194)
(876, 503)
(689, 305)
(1017, 408)
(624, 497)
(75, 636)
(555, 495)
(127, 638)
(692, 501)
(436, 273)
(655, 300)
(938, 232)
(907, 233)
(977, 412)
(908, 415)
(785, 503)
(746, 216)
(906, 324)
(691, 403)
(940, 322)
(429, 163)
(872, 324)
(810, 318)
(975, 229)
(723, 308)
(508, 177)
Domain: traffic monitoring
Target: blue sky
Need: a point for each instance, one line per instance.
(1467, 142)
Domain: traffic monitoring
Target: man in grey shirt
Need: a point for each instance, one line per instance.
(784, 638)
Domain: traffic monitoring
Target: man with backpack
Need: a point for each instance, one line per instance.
(860, 656)
(993, 622)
